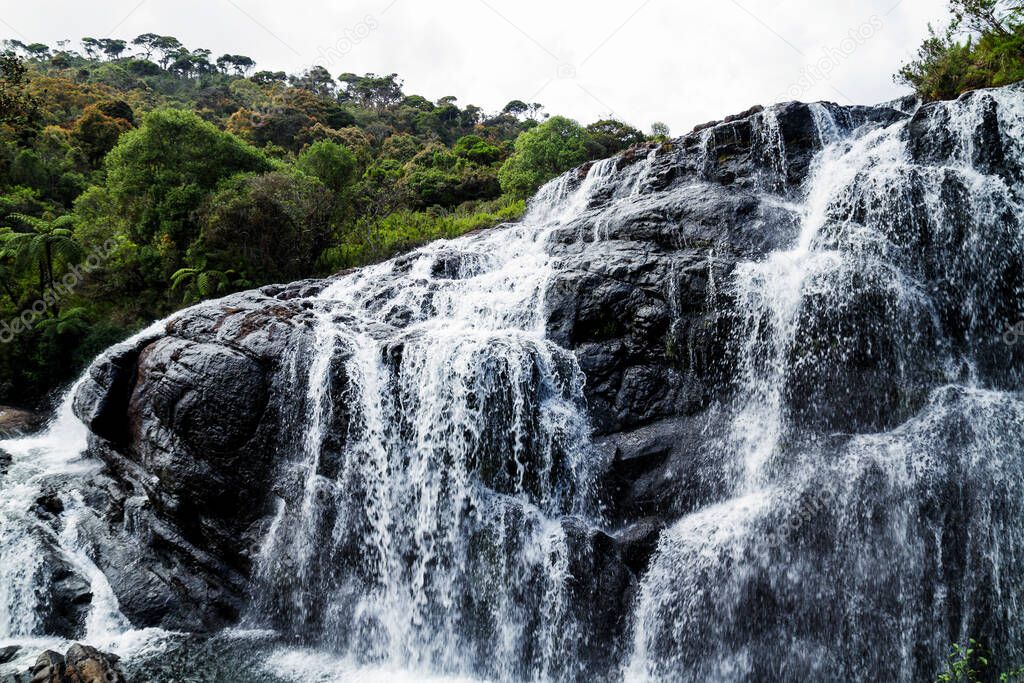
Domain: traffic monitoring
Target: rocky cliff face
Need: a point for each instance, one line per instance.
(238, 426)
(190, 420)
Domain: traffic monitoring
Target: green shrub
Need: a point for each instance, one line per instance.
(542, 153)
(969, 663)
(373, 241)
(983, 47)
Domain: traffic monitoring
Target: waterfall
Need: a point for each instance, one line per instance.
(833, 556)
(41, 468)
(770, 144)
(32, 459)
(770, 292)
(437, 508)
(431, 537)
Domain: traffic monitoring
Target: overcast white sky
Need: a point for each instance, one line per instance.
(681, 62)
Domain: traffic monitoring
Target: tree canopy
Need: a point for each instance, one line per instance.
(185, 175)
(982, 46)
(159, 173)
(542, 153)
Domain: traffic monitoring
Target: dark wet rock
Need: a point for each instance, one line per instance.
(756, 109)
(161, 578)
(932, 141)
(48, 505)
(101, 402)
(663, 469)
(188, 421)
(637, 542)
(8, 653)
(864, 379)
(455, 265)
(641, 293)
(645, 328)
(215, 658)
(303, 289)
(68, 594)
(601, 588)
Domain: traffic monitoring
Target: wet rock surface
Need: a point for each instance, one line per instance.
(188, 422)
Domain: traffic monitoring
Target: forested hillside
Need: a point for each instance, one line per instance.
(137, 177)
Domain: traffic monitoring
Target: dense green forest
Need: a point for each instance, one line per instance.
(138, 177)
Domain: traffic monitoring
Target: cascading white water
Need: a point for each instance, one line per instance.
(51, 463)
(434, 528)
(770, 292)
(769, 143)
(32, 460)
(832, 559)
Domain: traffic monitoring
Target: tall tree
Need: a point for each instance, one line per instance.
(113, 48)
(147, 41)
(92, 47)
(50, 241)
(267, 77)
(240, 63)
(317, 80)
(169, 48)
(243, 65)
(201, 63)
(372, 91)
(982, 47)
(182, 65)
(159, 173)
(17, 106)
(516, 108)
(984, 16)
(13, 45)
(331, 163)
(541, 153)
(611, 136)
(38, 50)
(660, 130)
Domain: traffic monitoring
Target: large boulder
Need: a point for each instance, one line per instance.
(189, 420)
